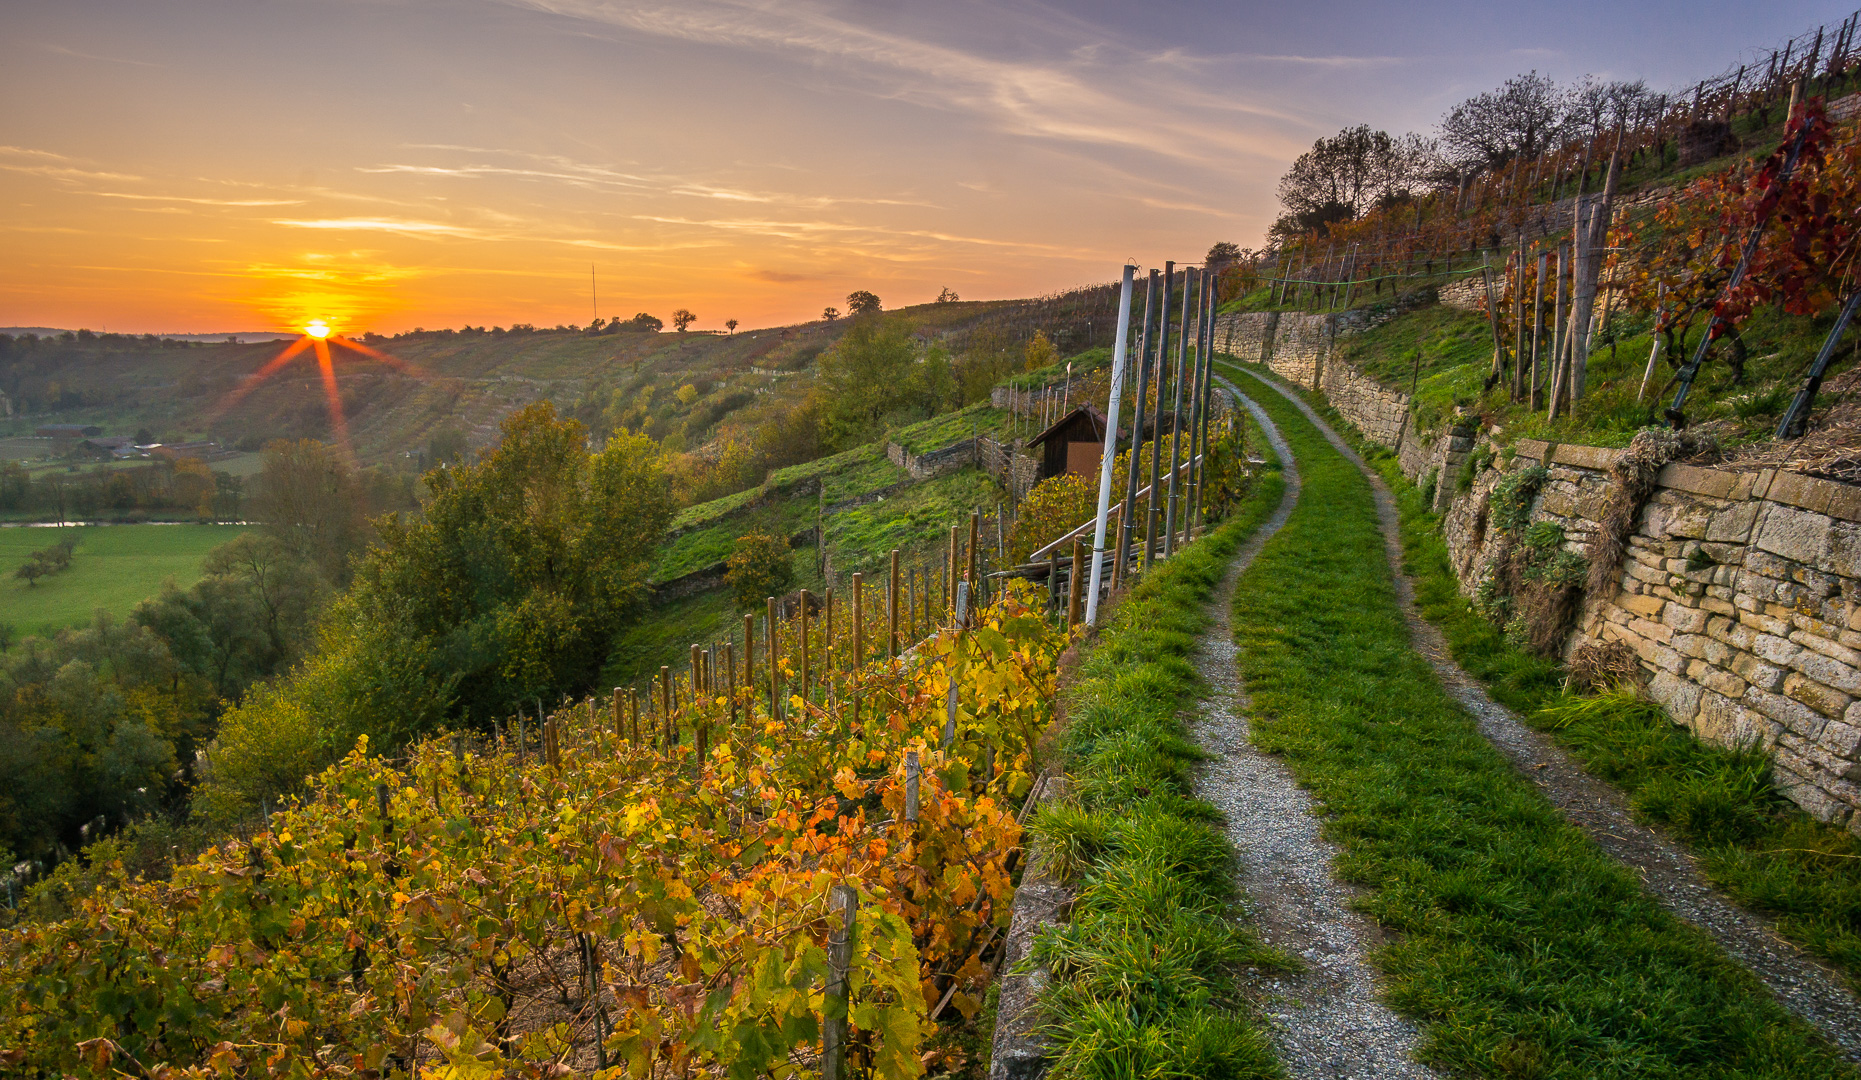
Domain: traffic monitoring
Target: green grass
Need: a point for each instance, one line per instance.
(115, 568)
(1146, 969)
(1521, 948)
(941, 431)
(1764, 851)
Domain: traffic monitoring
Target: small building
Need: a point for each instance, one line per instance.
(67, 431)
(1073, 444)
(115, 447)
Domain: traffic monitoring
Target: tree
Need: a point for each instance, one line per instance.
(1222, 252)
(639, 324)
(760, 565)
(681, 319)
(1039, 352)
(830, 313)
(446, 446)
(730, 325)
(864, 377)
(1522, 118)
(509, 589)
(1344, 175)
(308, 496)
(948, 296)
(860, 302)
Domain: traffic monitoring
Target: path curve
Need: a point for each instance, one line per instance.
(1328, 1020)
(1803, 985)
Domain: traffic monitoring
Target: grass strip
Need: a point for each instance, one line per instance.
(1146, 972)
(1523, 949)
(1721, 802)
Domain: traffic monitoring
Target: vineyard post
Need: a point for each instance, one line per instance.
(975, 528)
(775, 668)
(859, 620)
(827, 640)
(730, 665)
(523, 757)
(620, 732)
(912, 589)
(633, 709)
(381, 802)
(665, 704)
(697, 675)
(1156, 444)
(834, 1008)
(1560, 337)
(1537, 325)
(807, 672)
(950, 572)
(1518, 317)
(911, 786)
(1204, 399)
(962, 612)
(1001, 540)
(1137, 431)
(1053, 579)
(1654, 349)
(458, 757)
(749, 655)
(1077, 584)
(1176, 410)
(891, 610)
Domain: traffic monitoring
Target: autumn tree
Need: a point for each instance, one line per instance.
(861, 302)
(1346, 174)
(682, 319)
(307, 494)
(760, 565)
(830, 313)
(1523, 118)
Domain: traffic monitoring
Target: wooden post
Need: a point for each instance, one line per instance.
(845, 902)
(665, 704)
(892, 597)
(951, 573)
(962, 613)
(1076, 590)
(697, 675)
(730, 665)
(807, 671)
(775, 669)
(1053, 580)
(633, 698)
(911, 604)
(620, 732)
(911, 785)
(975, 526)
(859, 620)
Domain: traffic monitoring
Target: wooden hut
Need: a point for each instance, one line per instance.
(1073, 444)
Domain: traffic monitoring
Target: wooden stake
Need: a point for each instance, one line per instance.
(859, 620)
(845, 902)
(911, 785)
(807, 672)
(1077, 588)
(891, 610)
(775, 669)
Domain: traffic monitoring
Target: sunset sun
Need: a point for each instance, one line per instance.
(317, 328)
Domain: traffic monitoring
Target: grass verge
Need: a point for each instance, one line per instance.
(1145, 972)
(1523, 949)
(1750, 841)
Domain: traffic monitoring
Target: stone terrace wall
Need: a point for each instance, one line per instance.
(1740, 592)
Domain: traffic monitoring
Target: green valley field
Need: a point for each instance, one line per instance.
(115, 567)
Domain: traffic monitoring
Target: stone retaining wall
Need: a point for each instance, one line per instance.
(1740, 592)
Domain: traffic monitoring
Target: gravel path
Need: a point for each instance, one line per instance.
(1327, 1019)
(1804, 986)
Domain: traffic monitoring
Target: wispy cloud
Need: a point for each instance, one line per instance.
(74, 54)
(401, 226)
(1057, 99)
(197, 201)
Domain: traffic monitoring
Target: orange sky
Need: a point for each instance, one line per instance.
(195, 166)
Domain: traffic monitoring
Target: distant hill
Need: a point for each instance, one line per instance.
(242, 336)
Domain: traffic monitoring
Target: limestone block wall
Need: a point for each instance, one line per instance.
(1739, 593)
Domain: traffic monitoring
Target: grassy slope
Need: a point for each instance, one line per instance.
(1523, 949)
(1763, 850)
(1145, 970)
(115, 568)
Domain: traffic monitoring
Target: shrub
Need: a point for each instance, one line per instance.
(760, 566)
(1057, 505)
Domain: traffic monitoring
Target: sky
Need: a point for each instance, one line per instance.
(199, 165)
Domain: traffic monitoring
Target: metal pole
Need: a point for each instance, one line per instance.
(1198, 446)
(1156, 448)
(1125, 523)
(1176, 409)
(1111, 446)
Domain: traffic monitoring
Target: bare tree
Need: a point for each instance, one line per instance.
(1344, 175)
(730, 325)
(1595, 106)
(682, 319)
(1522, 118)
(948, 296)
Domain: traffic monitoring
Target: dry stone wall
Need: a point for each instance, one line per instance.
(1740, 592)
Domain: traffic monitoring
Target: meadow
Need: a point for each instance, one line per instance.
(115, 567)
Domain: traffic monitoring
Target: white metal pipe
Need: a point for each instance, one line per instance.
(1111, 446)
